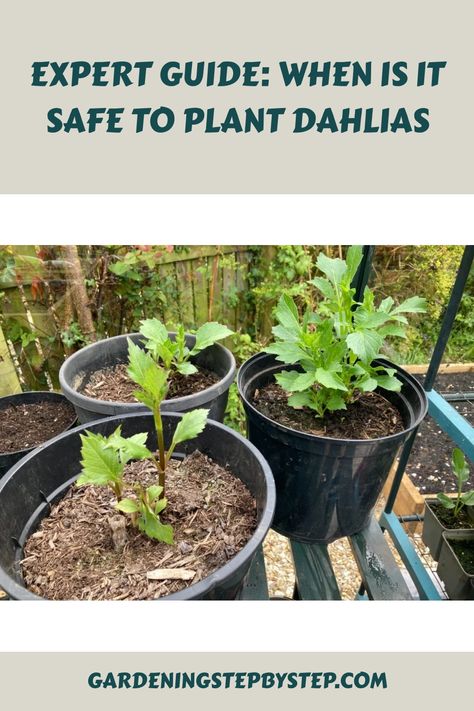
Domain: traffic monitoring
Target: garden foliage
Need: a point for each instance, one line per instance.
(335, 345)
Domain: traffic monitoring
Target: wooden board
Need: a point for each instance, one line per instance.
(9, 381)
(315, 579)
(409, 501)
(443, 368)
(378, 568)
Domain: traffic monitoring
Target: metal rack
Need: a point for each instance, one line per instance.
(446, 416)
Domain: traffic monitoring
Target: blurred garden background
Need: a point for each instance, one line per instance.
(56, 299)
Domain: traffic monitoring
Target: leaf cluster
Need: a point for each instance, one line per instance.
(104, 458)
(461, 472)
(174, 354)
(335, 346)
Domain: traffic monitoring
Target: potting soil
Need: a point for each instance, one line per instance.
(369, 417)
(28, 425)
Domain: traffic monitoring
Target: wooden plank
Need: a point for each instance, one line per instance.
(314, 573)
(255, 586)
(201, 294)
(215, 289)
(378, 568)
(171, 312)
(9, 381)
(185, 290)
(444, 368)
(199, 252)
(48, 337)
(228, 316)
(14, 313)
(242, 320)
(409, 500)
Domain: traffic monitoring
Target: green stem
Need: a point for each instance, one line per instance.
(161, 449)
(118, 491)
(458, 506)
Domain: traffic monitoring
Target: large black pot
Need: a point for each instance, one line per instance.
(78, 368)
(44, 476)
(8, 459)
(326, 488)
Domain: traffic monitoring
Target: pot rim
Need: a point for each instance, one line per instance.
(333, 440)
(80, 399)
(36, 392)
(203, 586)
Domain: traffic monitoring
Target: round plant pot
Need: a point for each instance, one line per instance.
(8, 459)
(459, 584)
(43, 477)
(326, 487)
(77, 369)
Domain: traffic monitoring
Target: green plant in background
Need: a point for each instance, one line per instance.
(175, 355)
(104, 458)
(243, 348)
(335, 346)
(72, 336)
(461, 472)
(433, 269)
(141, 288)
(279, 268)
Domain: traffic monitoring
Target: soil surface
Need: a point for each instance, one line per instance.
(429, 466)
(72, 555)
(28, 425)
(114, 384)
(370, 416)
(464, 551)
(448, 519)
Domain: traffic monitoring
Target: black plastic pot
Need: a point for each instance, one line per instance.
(326, 488)
(459, 584)
(8, 459)
(78, 368)
(44, 476)
(433, 530)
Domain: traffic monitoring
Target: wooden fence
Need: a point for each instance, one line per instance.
(190, 285)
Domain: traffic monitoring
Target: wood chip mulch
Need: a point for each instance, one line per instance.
(113, 384)
(72, 554)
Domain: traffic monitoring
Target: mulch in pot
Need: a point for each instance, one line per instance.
(72, 555)
(369, 417)
(448, 519)
(113, 384)
(429, 466)
(24, 426)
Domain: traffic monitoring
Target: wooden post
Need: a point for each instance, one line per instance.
(266, 320)
(75, 280)
(9, 381)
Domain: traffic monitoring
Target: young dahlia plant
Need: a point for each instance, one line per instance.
(104, 458)
(334, 347)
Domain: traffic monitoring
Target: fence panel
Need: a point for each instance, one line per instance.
(197, 284)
